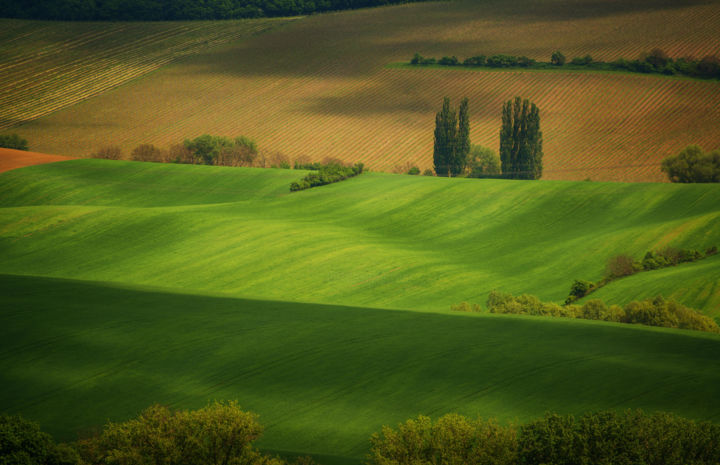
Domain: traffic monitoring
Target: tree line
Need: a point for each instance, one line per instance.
(165, 10)
(654, 62)
(13, 141)
(326, 174)
(521, 143)
(223, 434)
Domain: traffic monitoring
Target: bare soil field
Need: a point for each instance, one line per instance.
(321, 87)
(11, 159)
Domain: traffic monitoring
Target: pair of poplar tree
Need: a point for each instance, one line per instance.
(520, 140)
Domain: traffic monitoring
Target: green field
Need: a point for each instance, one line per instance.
(128, 283)
(323, 378)
(377, 240)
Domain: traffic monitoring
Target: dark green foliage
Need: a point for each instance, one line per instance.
(158, 10)
(219, 150)
(693, 165)
(521, 140)
(557, 58)
(479, 60)
(22, 443)
(602, 438)
(13, 141)
(452, 439)
(452, 139)
(649, 312)
(656, 61)
(462, 144)
(578, 290)
(627, 438)
(428, 172)
(483, 162)
(448, 61)
(414, 170)
(327, 174)
(445, 139)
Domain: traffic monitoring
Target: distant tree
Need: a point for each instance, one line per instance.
(428, 172)
(448, 61)
(452, 139)
(657, 58)
(693, 165)
(147, 152)
(483, 162)
(582, 61)
(521, 140)
(621, 265)
(445, 139)
(557, 58)
(13, 141)
(108, 152)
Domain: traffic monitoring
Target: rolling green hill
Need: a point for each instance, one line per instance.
(377, 240)
(128, 283)
(323, 378)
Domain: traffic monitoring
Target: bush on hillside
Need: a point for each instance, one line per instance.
(223, 151)
(693, 165)
(621, 265)
(578, 290)
(557, 58)
(605, 437)
(148, 152)
(22, 442)
(483, 162)
(413, 171)
(327, 174)
(452, 439)
(448, 61)
(108, 152)
(218, 434)
(13, 141)
(650, 312)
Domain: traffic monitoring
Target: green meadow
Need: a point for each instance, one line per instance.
(376, 240)
(326, 311)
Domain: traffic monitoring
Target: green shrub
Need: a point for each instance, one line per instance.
(414, 171)
(428, 172)
(557, 58)
(448, 61)
(578, 290)
(453, 439)
(327, 174)
(218, 434)
(479, 60)
(22, 443)
(108, 152)
(693, 165)
(483, 162)
(13, 141)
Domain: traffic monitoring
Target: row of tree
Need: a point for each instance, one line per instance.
(223, 434)
(521, 142)
(13, 141)
(655, 61)
(606, 437)
(163, 10)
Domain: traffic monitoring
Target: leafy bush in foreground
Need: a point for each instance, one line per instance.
(327, 174)
(606, 437)
(13, 141)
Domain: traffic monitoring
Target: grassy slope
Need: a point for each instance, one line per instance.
(323, 378)
(695, 284)
(294, 94)
(375, 240)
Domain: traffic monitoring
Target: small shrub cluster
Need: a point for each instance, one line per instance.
(693, 165)
(624, 265)
(327, 174)
(655, 61)
(13, 141)
(606, 437)
(649, 312)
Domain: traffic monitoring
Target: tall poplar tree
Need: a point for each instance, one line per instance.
(445, 139)
(521, 140)
(462, 146)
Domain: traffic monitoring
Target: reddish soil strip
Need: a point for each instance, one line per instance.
(11, 159)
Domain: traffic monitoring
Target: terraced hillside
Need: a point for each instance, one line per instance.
(376, 240)
(320, 87)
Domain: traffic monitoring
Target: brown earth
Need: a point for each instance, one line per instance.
(11, 159)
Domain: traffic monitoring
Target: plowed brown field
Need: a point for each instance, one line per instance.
(321, 87)
(11, 159)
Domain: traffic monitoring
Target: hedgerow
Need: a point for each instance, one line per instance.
(327, 174)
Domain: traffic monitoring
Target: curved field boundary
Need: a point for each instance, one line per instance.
(11, 159)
